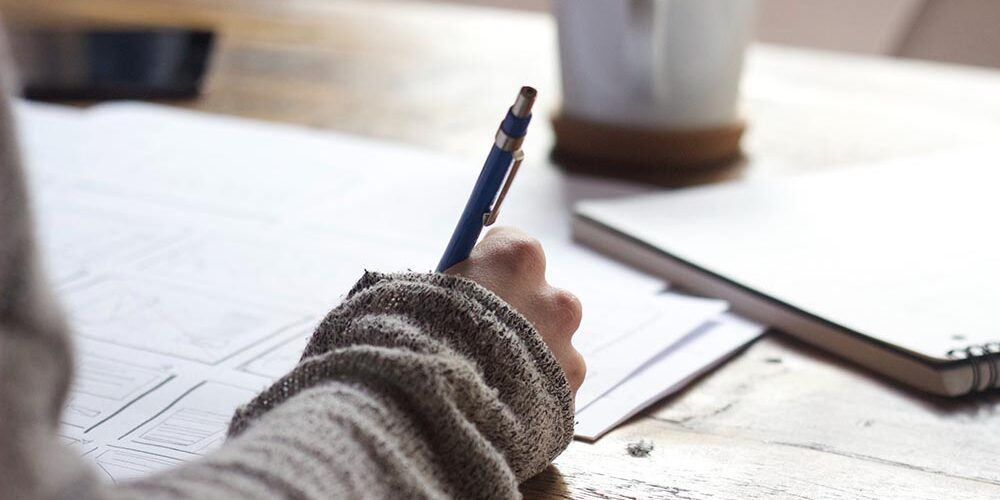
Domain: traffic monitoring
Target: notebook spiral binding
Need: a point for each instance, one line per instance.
(987, 354)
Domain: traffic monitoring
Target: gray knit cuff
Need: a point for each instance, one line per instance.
(541, 355)
(518, 365)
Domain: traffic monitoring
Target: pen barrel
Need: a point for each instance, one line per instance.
(515, 126)
(506, 145)
(470, 224)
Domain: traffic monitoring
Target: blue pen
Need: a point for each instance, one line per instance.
(504, 159)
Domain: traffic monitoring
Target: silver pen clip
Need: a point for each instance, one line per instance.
(491, 216)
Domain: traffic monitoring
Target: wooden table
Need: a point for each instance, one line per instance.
(781, 419)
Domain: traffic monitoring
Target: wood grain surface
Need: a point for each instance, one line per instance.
(781, 420)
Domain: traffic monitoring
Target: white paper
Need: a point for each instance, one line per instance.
(668, 372)
(194, 254)
(620, 336)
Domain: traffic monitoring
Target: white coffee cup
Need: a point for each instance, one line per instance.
(663, 64)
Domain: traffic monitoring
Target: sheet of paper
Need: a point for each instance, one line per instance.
(195, 253)
(134, 411)
(669, 371)
(619, 336)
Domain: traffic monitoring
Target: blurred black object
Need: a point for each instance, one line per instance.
(62, 64)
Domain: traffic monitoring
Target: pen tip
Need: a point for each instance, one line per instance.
(525, 99)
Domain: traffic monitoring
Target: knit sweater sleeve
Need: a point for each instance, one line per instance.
(416, 386)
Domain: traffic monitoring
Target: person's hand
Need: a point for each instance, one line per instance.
(511, 264)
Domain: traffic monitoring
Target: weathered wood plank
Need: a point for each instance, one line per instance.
(688, 464)
(782, 392)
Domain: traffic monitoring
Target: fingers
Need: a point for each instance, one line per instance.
(515, 253)
(509, 263)
(512, 265)
(563, 312)
(505, 254)
(519, 261)
(576, 370)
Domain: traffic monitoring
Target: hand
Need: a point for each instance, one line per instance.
(511, 264)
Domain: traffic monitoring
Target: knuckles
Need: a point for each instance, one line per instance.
(567, 310)
(522, 254)
(518, 260)
(576, 370)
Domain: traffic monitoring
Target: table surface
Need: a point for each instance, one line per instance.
(781, 419)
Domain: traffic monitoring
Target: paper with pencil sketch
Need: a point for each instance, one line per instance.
(195, 253)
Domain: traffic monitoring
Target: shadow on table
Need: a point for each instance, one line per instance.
(978, 403)
(548, 484)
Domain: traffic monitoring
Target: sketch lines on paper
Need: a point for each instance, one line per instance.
(280, 359)
(175, 322)
(103, 386)
(194, 423)
(120, 464)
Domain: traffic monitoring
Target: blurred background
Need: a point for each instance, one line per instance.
(842, 74)
(958, 31)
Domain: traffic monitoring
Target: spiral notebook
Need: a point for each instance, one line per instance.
(895, 267)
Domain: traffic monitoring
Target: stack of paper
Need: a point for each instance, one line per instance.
(194, 254)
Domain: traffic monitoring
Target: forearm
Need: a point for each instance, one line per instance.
(333, 440)
(416, 386)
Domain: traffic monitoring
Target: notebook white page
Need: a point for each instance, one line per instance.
(904, 253)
